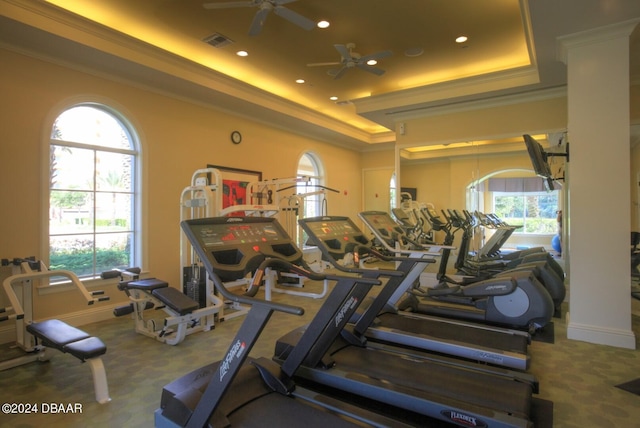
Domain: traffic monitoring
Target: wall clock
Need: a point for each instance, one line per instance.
(236, 137)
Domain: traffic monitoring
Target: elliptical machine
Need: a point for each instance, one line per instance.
(541, 263)
(517, 299)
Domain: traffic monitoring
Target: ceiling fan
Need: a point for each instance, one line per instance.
(264, 7)
(350, 59)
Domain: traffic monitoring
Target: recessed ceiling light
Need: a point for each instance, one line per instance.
(323, 24)
(242, 53)
(299, 80)
(414, 52)
(334, 98)
(461, 39)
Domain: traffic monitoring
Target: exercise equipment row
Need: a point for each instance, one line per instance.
(522, 303)
(541, 263)
(338, 237)
(326, 373)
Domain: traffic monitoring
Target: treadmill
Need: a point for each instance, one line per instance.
(252, 392)
(374, 375)
(381, 321)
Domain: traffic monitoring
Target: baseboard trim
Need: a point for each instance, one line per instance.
(600, 335)
(76, 319)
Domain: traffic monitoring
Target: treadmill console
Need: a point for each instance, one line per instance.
(235, 246)
(382, 225)
(339, 235)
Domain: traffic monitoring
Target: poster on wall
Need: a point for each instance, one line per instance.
(235, 184)
(412, 191)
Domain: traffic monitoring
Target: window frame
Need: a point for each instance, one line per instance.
(522, 231)
(137, 253)
(317, 179)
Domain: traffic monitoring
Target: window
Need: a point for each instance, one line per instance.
(392, 192)
(535, 211)
(309, 166)
(92, 198)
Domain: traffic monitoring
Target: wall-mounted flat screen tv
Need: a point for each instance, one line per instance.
(538, 157)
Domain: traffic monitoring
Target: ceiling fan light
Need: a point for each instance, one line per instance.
(372, 62)
(413, 52)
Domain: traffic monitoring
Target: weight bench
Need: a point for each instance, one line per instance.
(70, 340)
(184, 312)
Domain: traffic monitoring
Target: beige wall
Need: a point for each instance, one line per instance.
(377, 169)
(177, 138)
(515, 118)
(443, 181)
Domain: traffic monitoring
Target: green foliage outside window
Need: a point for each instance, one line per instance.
(535, 212)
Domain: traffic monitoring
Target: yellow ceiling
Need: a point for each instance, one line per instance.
(498, 32)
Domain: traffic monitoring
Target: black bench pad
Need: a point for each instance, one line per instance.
(176, 300)
(84, 349)
(68, 339)
(147, 284)
(56, 333)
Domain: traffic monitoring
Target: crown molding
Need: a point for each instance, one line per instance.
(596, 35)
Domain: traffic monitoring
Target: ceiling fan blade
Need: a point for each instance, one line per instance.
(321, 64)
(377, 55)
(229, 4)
(343, 51)
(294, 17)
(258, 21)
(370, 69)
(339, 73)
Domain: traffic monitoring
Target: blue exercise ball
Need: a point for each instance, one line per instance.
(556, 244)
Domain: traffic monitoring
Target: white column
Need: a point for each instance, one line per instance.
(599, 206)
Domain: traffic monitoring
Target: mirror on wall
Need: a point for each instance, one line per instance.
(489, 175)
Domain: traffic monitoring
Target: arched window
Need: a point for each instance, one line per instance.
(310, 166)
(93, 201)
(392, 192)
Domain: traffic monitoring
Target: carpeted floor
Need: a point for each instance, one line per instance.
(579, 378)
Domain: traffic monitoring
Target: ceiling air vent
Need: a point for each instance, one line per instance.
(217, 40)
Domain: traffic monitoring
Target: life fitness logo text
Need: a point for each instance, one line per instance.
(463, 419)
(345, 308)
(236, 352)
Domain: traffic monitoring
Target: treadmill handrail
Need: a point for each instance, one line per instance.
(427, 249)
(356, 248)
(315, 276)
(251, 300)
(376, 254)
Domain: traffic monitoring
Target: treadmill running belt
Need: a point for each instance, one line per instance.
(247, 398)
(449, 331)
(434, 380)
(277, 410)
